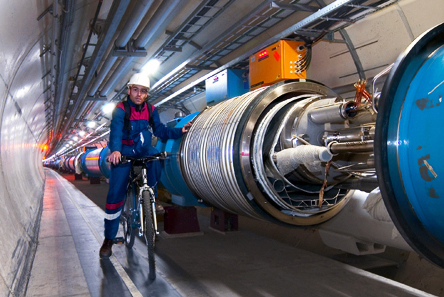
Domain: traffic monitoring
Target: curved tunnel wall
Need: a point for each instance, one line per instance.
(22, 118)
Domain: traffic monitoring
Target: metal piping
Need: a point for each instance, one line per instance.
(106, 67)
(87, 43)
(151, 30)
(208, 46)
(96, 15)
(158, 20)
(65, 60)
(54, 56)
(139, 11)
(128, 30)
(114, 17)
(120, 71)
(308, 20)
(351, 147)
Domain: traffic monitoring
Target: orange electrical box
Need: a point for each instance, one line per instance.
(279, 61)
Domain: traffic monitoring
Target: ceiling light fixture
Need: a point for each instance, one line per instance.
(150, 67)
(108, 107)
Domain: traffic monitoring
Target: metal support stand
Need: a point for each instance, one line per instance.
(179, 220)
(94, 180)
(223, 221)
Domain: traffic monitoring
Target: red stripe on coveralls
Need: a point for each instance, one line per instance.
(114, 205)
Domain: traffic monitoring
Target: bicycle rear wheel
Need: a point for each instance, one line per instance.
(127, 217)
(149, 233)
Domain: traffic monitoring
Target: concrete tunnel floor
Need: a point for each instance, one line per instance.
(247, 262)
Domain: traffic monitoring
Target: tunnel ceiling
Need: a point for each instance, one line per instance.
(93, 47)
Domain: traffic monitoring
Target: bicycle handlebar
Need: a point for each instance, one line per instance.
(140, 161)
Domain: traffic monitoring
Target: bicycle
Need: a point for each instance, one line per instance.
(139, 209)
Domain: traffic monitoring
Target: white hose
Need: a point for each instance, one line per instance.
(375, 206)
(289, 159)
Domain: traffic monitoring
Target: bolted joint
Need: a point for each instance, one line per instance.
(130, 50)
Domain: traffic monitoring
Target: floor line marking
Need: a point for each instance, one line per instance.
(119, 268)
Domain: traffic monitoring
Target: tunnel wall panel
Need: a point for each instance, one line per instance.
(22, 119)
(378, 40)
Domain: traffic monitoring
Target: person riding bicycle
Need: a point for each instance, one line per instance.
(132, 137)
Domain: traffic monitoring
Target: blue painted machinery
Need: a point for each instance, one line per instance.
(171, 175)
(293, 153)
(69, 163)
(94, 164)
(409, 143)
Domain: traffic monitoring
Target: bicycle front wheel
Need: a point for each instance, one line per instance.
(127, 217)
(149, 233)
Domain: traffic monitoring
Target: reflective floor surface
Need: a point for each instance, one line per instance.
(212, 264)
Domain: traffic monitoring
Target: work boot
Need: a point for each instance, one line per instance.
(105, 250)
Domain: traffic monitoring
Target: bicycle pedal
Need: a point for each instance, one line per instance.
(118, 240)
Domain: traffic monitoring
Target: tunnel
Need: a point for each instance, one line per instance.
(346, 145)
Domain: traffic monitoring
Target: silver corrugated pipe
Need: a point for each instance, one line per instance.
(207, 160)
(226, 159)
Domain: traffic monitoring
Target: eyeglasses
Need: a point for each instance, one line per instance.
(137, 90)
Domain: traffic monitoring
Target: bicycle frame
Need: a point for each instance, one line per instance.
(141, 182)
(140, 193)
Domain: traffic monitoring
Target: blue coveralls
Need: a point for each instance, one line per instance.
(136, 143)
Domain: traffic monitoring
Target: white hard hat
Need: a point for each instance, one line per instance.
(139, 79)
